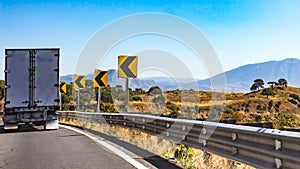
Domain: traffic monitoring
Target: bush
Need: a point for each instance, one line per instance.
(183, 155)
(261, 107)
(292, 101)
(269, 92)
(172, 107)
(154, 90)
(294, 96)
(228, 111)
(106, 96)
(277, 106)
(270, 104)
(136, 98)
(285, 119)
(137, 91)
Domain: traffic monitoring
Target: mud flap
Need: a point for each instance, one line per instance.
(51, 125)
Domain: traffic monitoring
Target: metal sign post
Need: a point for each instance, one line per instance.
(60, 102)
(127, 96)
(78, 101)
(79, 83)
(99, 99)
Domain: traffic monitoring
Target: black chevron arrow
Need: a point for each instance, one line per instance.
(77, 81)
(99, 77)
(61, 85)
(124, 66)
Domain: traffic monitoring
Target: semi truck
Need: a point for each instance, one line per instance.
(31, 87)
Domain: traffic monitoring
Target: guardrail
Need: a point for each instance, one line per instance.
(259, 147)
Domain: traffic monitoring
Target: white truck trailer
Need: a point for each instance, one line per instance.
(31, 87)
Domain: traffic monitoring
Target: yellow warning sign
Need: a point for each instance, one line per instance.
(127, 66)
(62, 87)
(79, 82)
(100, 78)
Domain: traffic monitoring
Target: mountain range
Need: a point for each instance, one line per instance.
(237, 80)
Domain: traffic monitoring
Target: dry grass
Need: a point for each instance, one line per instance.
(246, 107)
(162, 147)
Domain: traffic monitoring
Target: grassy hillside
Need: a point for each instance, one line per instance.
(281, 106)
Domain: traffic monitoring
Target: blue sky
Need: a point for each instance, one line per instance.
(242, 32)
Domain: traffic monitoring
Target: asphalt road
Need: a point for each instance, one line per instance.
(31, 148)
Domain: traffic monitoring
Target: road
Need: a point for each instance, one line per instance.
(32, 148)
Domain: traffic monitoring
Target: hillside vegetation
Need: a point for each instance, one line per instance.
(280, 107)
(277, 104)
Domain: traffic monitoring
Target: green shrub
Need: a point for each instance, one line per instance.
(270, 104)
(277, 106)
(269, 92)
(228, 111)
(154, 90)
(294, 96)
(135, 98)
(292, 101)
(285, 119)
(172, 107)
(183, 155)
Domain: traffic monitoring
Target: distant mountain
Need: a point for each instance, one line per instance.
(113, 80)
(66, 78)
(241, 78)
(165, 83)
(237, 80)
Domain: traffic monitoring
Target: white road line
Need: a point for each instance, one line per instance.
(117, 151)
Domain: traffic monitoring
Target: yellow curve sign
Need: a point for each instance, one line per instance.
(100, 78)
(79, 82)
(62, 87)
(127, 66)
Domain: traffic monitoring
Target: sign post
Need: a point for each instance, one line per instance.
(99, 99)
(127, 95)
(78, 106)
(127, 68)
(100, 80)
(79, 83)
(62, 90)
(60, 102)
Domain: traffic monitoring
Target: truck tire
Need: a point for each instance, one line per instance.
(51, 125)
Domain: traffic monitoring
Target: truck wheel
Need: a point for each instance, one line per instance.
(51, 125)
(11, 127)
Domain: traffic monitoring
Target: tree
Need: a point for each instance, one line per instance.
(254, 87)
(272, 83)
(139, 91)
(283, 82)
(154, 90)
(258, 83)
(268, 92)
